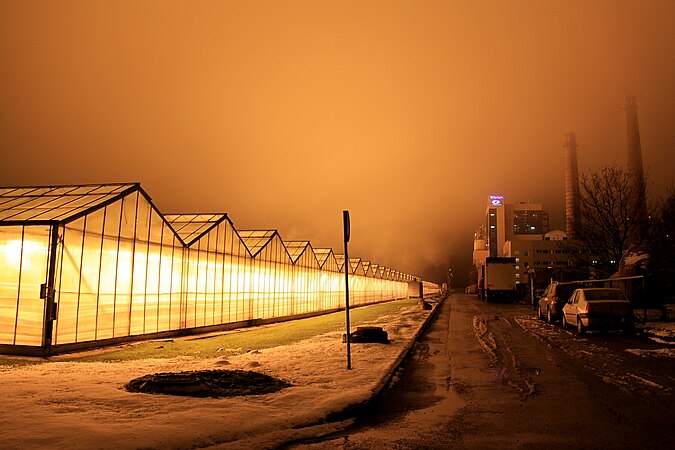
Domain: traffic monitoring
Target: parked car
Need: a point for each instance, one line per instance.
(554, 298)
(598, 308)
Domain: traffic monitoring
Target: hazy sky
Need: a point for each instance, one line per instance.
(284, 113)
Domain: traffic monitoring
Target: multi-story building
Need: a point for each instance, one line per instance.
(521, 230)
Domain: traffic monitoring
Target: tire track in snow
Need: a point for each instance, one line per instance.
(502, 355)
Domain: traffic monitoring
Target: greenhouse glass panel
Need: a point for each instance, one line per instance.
(215, 275)
(125, 266)
(229, 298)
(11, 254)
(25, 208)
(141, 268)
(68, 286)
(153, 274)
(170, 281)
(90, 271)
(23, 268)
(191, 277)
(107, 281)
(220, 286)
(208, 269)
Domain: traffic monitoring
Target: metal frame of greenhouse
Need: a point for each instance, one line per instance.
(93, 265)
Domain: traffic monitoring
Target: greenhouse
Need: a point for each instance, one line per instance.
(91, 265)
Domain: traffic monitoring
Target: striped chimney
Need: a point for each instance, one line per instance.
(572, 200)
(635, 160)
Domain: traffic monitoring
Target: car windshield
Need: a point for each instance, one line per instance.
(604, 294)
(565, 291)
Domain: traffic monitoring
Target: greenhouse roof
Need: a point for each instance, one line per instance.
(296, 248)
(340, 261)
(190, 227)
(322, 254)
(354, 263)
(40, 204)
(326, 258)
(63, 204)
(255, 240)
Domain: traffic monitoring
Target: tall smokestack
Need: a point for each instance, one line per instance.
(572, 201)
(635, 161)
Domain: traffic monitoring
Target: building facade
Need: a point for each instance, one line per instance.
(521, 230)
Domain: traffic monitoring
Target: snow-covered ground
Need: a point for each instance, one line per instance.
(84, 405)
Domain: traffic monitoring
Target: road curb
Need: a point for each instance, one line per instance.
(386, 378)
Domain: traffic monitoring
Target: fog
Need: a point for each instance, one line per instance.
(282, 114)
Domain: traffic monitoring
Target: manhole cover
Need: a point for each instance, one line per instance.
(207, 383)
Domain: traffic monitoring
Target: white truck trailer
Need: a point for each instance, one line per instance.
(497, 279)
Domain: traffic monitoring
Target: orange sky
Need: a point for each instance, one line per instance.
(284, 113)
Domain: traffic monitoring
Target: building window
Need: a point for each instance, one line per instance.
(492, 239)
(527, 222)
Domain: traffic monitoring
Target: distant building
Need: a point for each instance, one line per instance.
(507, 222)
(521, 230)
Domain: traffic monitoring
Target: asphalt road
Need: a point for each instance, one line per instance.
(494, 376)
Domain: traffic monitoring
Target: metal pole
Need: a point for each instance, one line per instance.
(346, 226)
(49, 291)
(644, 300)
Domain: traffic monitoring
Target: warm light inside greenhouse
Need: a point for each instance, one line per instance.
(85, 264)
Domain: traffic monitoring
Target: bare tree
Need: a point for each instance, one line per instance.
(611, 217)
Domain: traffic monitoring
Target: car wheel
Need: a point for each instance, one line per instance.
(549, 316)
(580, 327)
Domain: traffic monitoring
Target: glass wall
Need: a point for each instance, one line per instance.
(306, 277)
(123, 269)
(332, 285)
(120, 274)
(273, 287)
(24, 256)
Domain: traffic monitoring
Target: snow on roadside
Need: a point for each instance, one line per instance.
(659, 352)
(84, 405)
(606, 364)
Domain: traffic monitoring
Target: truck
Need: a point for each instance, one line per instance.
(497, 279)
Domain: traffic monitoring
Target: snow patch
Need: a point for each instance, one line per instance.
(84, 405)
(645, 381)
(659, 352)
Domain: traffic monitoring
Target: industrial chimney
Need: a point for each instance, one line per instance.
(572, 201)
(635, 162)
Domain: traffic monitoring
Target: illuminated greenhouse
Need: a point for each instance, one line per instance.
(92, 265)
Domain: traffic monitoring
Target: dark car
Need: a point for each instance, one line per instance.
(554, 299)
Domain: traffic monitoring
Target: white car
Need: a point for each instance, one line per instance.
(598, 308)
